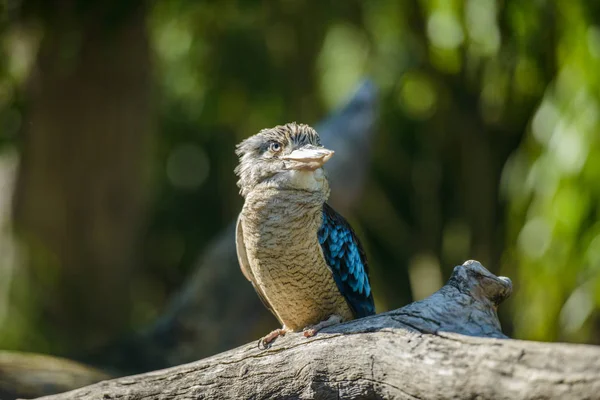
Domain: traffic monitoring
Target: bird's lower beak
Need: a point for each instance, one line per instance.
(307, 158)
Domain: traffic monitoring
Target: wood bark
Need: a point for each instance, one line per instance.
(420, 351)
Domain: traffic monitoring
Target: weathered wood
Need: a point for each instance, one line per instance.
(415, 352)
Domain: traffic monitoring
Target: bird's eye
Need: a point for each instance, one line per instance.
(275, 147)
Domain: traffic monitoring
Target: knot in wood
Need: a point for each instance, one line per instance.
(474, 278)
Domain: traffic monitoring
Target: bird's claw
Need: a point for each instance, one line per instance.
(312, 330)
(309, 332)
(265, 341)
(262, 345)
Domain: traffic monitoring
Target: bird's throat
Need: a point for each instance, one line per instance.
(312, 180)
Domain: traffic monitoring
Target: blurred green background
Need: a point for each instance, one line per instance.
(118, 121)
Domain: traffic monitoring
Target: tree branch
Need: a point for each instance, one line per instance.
(416, 352)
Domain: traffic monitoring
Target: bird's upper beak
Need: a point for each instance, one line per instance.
(307, 158)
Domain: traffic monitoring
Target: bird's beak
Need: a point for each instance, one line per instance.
(307, 158)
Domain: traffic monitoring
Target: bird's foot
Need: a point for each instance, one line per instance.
(311, 331)
(265, 341)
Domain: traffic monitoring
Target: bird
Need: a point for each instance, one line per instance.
(304, 260)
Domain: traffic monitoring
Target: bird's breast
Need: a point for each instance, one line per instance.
(280, 235)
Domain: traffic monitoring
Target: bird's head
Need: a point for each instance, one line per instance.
(287, 157)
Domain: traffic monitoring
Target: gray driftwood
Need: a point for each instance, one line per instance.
(420, 351)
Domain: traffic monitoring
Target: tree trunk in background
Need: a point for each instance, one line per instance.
(80, 192)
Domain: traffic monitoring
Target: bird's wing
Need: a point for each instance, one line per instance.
(347, 260)
(245, 265)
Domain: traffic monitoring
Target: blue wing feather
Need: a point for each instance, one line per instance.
(346, 258)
